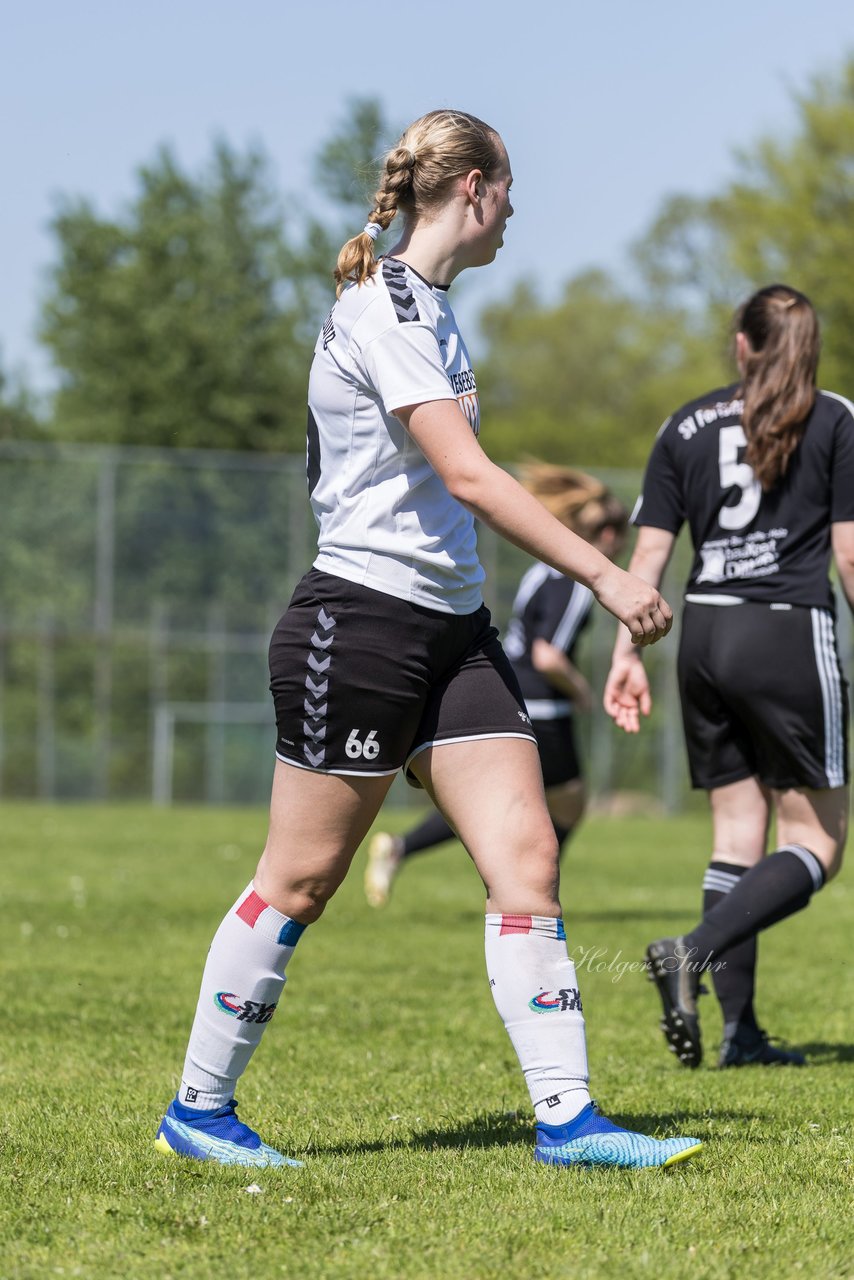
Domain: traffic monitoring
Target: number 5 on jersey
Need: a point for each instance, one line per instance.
(735, 474)
(367, 750)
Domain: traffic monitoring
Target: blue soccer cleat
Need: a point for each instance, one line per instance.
(215, 1135)
(591, 1139)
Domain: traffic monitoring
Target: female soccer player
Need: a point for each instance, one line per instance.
(549, 613)
(763, 472)
(386, 658)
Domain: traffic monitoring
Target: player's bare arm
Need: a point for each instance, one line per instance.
(443, 434)
(627, 694)
(553, 663)
(842, 542)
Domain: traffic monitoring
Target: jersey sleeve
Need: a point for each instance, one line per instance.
(661, 503)
(842, 474)
(404, 366)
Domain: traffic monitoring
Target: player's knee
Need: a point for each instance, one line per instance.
(537, 862)
(833, 864)
(303, 900)
(306, 905)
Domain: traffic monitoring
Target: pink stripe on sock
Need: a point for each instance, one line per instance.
(251, 908)
(515, 924)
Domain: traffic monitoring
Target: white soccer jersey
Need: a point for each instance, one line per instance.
(385, 518)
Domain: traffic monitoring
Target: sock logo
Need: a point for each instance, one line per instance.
(566, 1000)
(191, 1095)
(553, 1101)
(245, 1011)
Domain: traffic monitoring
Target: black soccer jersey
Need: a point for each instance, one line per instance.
(772, 547)
(550, 607)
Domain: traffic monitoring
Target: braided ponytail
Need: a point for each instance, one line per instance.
(417, 176)
(356, 261)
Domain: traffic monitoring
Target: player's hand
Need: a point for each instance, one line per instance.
(627, 696)
(640, 606)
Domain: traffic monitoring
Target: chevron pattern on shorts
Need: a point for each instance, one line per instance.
(405, 307)
(315, 703)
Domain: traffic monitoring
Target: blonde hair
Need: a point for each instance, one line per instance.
(779, 380)
(580, 501)
(417, 176)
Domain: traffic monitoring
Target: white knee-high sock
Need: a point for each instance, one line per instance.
(241, 985)
(535, 990)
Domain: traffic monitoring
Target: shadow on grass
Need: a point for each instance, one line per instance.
(820, 1054)
(571, 916)
(584, 917)
(499, 1130)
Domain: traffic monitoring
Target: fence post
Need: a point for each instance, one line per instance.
(103, 620)
(215, 726)
(158, 674)
(164, 744)
(46, 716)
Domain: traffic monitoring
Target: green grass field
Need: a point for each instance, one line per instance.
(388, 1071)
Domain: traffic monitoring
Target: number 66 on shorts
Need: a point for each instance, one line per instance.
(356, 749)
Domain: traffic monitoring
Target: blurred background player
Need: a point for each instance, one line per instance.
(549, 613)
(386, 659)
(763, 473)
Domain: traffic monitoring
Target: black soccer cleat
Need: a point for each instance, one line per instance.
(673, 970)
(750, 1046)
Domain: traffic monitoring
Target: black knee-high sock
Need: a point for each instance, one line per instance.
(775, 888)
(735, 980)
(432, 831)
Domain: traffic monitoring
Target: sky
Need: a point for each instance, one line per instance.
(606, 109)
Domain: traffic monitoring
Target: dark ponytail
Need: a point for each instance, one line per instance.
(778, 378)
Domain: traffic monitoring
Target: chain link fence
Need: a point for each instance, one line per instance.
(138, 591)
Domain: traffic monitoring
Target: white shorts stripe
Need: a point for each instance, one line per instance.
(348, 773)
(548, 708)
(468, 737)
(831, 696)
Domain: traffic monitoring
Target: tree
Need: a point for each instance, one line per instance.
(787, 216)
(589, 379)
(19, 419)
(172, 325)
(190, 319)
(346, 172)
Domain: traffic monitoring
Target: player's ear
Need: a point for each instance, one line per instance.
(473, 185)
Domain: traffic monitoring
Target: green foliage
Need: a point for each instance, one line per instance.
(387, 1070)
(588, 380)
(19, 418)
(190, 319)
(346, 172)
(787, 216)
(168, 325)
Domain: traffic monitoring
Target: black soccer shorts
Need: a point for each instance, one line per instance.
(763, 695)
(363, 681)
(558, 751)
